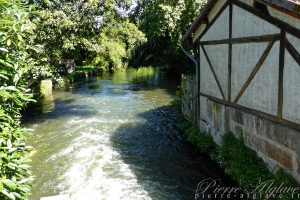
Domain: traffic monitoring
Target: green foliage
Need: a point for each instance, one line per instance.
(91, 31)
(15, 66)
(118, 40)
(241, 163)
(84, 69)
(66, 28)
(164, 23)
(203, 141)
(244, 166)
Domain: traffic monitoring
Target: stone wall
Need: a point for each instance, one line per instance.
(46, 87)
(277, 145)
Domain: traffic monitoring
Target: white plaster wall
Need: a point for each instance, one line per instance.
(294, 41)
(208, 85)
(291, 89)
(218, 55)
(246, 24)
(220, 29)
(262, 93)
(244, 59)
(211, 15)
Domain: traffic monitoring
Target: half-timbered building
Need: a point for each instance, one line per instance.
(248, 76)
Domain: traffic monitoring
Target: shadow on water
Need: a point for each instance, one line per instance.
(163, 163)
(56, 108)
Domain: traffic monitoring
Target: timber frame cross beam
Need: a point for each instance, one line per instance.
(213, 71)
(241, 40)
(255, 70)
(292, 50)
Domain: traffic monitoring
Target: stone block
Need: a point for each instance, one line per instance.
(282, 156)
(209, 108)
(46, 87)
(218, 117)
(238, 131)
(280, 135)
(237, 116)
(254, 142)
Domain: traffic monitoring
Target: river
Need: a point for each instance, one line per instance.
(114, 137)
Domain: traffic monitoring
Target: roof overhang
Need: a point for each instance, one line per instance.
(291, 7)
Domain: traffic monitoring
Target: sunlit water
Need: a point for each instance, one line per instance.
(114, 138)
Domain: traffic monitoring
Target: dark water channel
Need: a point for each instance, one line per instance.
(114, 137)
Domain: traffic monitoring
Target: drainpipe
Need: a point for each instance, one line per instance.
(188, 55)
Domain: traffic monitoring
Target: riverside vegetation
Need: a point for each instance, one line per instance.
(241, 163)
(104, 34)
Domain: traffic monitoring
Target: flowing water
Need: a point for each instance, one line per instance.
(114, 137)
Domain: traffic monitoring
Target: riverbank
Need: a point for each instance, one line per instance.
(244, 166)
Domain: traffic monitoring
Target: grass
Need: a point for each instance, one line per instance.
(85, 69)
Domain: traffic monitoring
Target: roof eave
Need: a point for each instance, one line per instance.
(292, 6)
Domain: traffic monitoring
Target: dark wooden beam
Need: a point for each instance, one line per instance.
(258, 113)
(213, 71)
(197, 103)
(281, 71)
(293, 51)
(255, 70)
(280, 24)
(242, 40)
(229, 52)
(277, 22)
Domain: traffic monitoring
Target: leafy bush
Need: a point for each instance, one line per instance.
(241, 163)
(118, 41)
(244, 166)
(15, 64)
(203, 141)
(164, 23)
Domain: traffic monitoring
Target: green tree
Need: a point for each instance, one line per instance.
(66, 29)
(96, 32)
(117, 40)
(15, 65)
(164, 23)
